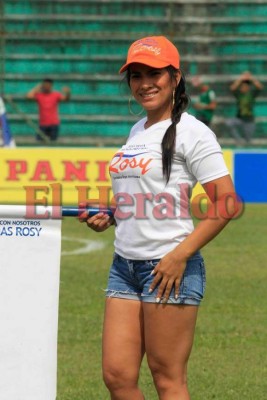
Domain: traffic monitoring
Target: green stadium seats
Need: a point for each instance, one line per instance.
(82, 44)
(107, 64)
(81, 105)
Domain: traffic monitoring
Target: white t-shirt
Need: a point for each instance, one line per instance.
(154, 218)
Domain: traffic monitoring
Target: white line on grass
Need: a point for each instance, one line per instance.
(88, 246)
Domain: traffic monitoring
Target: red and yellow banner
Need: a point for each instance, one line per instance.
(65, 175)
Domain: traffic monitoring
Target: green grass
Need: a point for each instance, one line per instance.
(228, 361)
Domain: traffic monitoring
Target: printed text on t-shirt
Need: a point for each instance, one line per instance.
(121, 161)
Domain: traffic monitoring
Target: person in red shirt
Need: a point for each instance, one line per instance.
(48, 100)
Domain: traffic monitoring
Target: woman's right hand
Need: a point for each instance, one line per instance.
(98, 222)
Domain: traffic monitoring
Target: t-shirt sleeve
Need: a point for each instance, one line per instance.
(204, 157)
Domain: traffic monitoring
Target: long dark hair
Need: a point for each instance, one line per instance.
(181, 101)
(180, 104)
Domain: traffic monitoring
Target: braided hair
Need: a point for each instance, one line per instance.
(181, 101)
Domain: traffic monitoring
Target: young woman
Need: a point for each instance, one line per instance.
(157, 278)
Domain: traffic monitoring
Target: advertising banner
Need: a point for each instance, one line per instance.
(29, 293)
(65, 176)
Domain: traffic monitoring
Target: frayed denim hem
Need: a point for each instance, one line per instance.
(127, 294)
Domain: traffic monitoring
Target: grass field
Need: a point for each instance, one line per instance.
(228, 361)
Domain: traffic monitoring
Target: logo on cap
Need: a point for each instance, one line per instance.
(147, 45)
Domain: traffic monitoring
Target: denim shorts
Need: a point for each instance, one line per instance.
(131, 279)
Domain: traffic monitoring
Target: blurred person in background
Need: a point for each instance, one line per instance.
(6, 139)
(48, 100)
(245, 89)
(206, 102)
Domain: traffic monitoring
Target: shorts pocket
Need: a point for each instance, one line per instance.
(193, 282)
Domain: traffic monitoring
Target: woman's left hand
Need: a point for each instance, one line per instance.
(168, 273)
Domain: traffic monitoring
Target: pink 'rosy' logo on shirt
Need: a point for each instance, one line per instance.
(121, 161)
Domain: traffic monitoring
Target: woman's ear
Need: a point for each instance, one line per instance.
(177, 78)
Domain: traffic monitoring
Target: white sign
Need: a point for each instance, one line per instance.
(29, 293)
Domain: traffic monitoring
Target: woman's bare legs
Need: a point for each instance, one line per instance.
(169, 333)
(123, 348)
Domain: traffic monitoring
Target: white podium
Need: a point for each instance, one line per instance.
(29, 294)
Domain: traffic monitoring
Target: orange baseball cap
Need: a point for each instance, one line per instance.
(155, 51)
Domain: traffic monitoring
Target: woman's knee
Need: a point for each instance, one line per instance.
(118, 378)
(167, 378)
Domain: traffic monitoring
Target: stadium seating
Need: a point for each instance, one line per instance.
(82, 44)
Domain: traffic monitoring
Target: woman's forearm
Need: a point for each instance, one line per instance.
(207, 229)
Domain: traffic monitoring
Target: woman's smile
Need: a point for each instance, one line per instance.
(153, 89)
(149, 95)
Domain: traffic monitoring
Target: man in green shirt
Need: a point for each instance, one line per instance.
(206, 103)
(245, 89)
